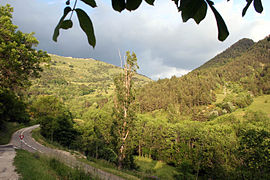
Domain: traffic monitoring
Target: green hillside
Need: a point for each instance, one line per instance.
(236, 50)
(212, 123)
(245, 70)
(79, 82)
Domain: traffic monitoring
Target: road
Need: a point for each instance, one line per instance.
(29, 144)
(7, 170)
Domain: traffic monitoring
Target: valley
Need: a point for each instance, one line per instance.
(191, 123)
(75, 118)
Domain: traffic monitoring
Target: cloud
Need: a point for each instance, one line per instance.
(164, 45)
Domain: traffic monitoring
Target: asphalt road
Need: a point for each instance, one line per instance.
(7, 170)
(29, 144)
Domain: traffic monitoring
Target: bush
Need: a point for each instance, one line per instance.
(243, 100)
(254, 152)
(258, 118)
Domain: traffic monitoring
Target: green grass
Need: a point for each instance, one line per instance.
(155, 168)
(111, 168)
(147, 167)
(100, 164)
(51, 144)
(36, 166)
(7, 129)
(260, 103)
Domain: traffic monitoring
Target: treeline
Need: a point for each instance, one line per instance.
(249, 67)
(223, 148)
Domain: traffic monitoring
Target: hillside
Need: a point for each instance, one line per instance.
(236, 50)
(243, 67)
(79, 82)
(212, 123)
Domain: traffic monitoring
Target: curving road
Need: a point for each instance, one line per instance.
(29, 144)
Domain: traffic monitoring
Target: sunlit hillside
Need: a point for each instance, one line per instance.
(79, 82)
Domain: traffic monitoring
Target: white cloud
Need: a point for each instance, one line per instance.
(164, 45)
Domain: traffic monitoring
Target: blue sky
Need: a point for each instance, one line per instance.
(165, 46)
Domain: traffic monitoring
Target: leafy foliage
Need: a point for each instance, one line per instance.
(190, 9)
(123, 111)
(55, 120)
(18, 59)
(12, 109)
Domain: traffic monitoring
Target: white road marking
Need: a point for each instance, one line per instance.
(26, 143)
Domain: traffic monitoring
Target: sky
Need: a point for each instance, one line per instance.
(164, 45)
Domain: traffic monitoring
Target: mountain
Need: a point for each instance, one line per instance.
(79, 82)
(236, 50)
(242, 68)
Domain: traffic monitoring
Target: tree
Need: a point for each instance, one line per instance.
(18, 59)
(18, 62)
(123, 106)
(55, 120)
(190, 9)
(254, 151)
(12, 108)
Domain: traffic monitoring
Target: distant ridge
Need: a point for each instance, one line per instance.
(245, 64)
(236, 50)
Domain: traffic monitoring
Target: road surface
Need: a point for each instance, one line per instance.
(7, 170)
(29, 144)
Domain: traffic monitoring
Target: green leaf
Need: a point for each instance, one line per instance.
(133, 4)
(151, 2)
(66, 24)
(195, 9)
(258, 6)
(201, 13)
(246, 7)
(87, 26)
(91, 3)
(56, 30)
(223, 32)
(118, 5)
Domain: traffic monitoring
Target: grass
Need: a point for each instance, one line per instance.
(6, 131)
(100, 164)
(155, 168)
(148, 168)
(36, 166)
(51, 144)
(261, 103)
(111, 168)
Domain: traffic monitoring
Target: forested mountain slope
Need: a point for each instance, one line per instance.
(78, 82)
(236, 50)
(243, 64)
(208, 124)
